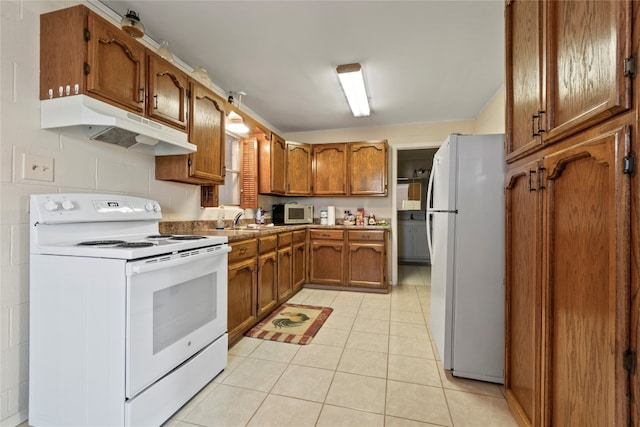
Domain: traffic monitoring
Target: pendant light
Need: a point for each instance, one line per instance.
(235, 123)
(132, 25)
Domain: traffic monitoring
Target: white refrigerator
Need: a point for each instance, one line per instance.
(465, 233)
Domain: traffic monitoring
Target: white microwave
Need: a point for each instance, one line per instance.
(293, 213)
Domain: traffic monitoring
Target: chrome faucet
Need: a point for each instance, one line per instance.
(237, 218)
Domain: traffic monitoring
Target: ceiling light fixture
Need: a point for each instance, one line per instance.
(164, 51)
(352, 82)
(132, 25)
(235, 123)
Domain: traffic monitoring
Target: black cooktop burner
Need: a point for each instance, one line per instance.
(159, 236)
(135, 244)
(189, 237)
(101, 242)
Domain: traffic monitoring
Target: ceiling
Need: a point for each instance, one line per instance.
(423, 61)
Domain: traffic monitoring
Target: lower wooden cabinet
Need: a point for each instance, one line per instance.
(285, 263)
(326, 257)
(267, 275)
(348, 260)
(242, 287)
(367, 259)
(299, 250)
(570, 357)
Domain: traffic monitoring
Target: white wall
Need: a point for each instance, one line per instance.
(80, 166)
(87, 166)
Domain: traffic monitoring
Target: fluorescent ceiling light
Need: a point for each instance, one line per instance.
(235, 124)
(352, 82)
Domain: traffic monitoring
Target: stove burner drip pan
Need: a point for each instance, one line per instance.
(136, 244)
(101, 242)
(188, 237)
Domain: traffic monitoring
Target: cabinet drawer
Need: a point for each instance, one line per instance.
(367, 235)
(242, 250)
(267, 244)
(299, 236)
(284, 239)
(326, 234)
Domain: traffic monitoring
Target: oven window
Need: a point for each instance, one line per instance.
(182, 309)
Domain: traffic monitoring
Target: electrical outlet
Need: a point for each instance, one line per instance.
(38, 168)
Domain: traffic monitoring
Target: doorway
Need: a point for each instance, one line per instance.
(411, 170)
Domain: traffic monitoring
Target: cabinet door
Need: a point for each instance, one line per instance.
(115, 65)
(419, 234)
(166, 92)
(272, 163)
(267, 281)
(368, 163)
(405, 240)
(326, 262)
(242, 301)
(524, 76)
(206, 130)
(298, 169)
(330, 170)
(299, 264)
(587, 281)
(284, 273)
(367, 261)
(523, 292)
(588, 42)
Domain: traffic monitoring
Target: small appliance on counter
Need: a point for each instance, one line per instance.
(292, 213)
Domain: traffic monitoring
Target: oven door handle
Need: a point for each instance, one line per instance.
(174, 260)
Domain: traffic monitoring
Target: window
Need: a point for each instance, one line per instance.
(230, 191)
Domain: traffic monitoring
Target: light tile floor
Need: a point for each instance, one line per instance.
(371, 364)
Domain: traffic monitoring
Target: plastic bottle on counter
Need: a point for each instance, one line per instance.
(220, 222)
(259, 216)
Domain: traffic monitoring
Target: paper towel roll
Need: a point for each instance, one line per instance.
(331, 215)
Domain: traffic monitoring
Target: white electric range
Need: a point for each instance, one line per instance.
(126, 324)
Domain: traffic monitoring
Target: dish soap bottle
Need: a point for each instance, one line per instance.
(220, 222)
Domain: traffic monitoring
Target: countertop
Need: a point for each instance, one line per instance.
(208, 228)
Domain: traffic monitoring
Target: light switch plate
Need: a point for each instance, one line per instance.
(38, 168)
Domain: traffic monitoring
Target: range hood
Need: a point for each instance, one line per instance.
(98, 120)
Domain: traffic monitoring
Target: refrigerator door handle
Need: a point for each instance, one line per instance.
(429, 242)
(429, 214)
(430, 189)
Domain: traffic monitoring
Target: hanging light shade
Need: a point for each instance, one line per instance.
(132, 25)
(163, 51)
(235, 124)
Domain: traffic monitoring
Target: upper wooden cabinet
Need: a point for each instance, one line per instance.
(298, 169)
(167, 90)
(368, 168)
(272, 158)
(330, 169)
(80, 49)
(579, 77)
(206, 131)
(524, 75)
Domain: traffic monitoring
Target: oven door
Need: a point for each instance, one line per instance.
(176, 306)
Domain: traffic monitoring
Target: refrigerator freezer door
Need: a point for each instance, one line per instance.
(442, 181)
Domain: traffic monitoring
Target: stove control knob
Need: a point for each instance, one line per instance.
(156, 207)
(67, 205)
(148, 207)
(51, 206)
